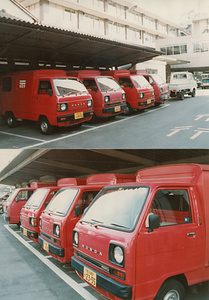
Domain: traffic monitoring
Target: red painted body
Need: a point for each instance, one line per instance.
(138, 95)
(178, 248)
(36, 94)
(60, 245)
(160, 87)
(34, 206)
(109, 99)
(17, 199)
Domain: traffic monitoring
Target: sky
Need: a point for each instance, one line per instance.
(174, 10)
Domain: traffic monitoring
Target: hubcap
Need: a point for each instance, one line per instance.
(172, 295)
(10, 121)
(44, 126)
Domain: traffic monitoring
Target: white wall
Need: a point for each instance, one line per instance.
(14, 10)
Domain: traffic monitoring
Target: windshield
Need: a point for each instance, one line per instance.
(140, 82)
(36, 199)
(61, 202)
(108, 84)
(68, 86)
(117, 207)
(158, 79)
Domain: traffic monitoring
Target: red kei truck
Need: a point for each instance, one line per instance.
(33, 208)
(109, 99)
(46, 96)
(65, 209)
(18, 198)
(159, 85)
(148, 239)
(139, 93)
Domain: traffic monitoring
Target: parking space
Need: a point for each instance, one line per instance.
(30, 273)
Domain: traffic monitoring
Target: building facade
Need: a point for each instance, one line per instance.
(118, 20)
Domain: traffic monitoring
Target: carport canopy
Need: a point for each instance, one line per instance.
(26, 46)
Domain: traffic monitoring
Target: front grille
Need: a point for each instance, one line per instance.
(113, 103)
(94, 262)
(48, 237)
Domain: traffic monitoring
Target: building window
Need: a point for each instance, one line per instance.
(174, 50)
(200, 47)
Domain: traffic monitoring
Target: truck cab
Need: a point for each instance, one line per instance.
(147, 239)
(64, 211)
(48, 97)
(109, 99)
(181, 84)
(159, 85)
(139, 93)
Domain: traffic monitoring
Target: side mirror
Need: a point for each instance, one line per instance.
(95, 88)
(16, 199)
(50, 92)
(77, 211)
(154, 222)
(152, 83)
(47, 202)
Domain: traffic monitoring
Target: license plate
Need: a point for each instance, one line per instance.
(78, 115)
(117, 108)
(90, 276)
(25, 231)
(46, 246)
(149, 101)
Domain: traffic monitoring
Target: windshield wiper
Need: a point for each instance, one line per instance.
(60, 212)
(99, 222)
(119, 225)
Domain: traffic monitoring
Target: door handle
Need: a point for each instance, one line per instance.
(37, 98)
(191, 234)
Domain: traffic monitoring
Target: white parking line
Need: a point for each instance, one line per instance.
(92, 129)
(79, 288)
(22, 136)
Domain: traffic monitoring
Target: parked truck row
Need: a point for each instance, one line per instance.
(141, 236)
(59, 98)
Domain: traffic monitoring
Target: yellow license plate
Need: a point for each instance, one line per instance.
(25, 231)
(117, 108)
(90, 276)
(149, 101)
(46, 246)
(78, 115)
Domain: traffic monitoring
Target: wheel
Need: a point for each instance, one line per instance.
(10, 119)
(193, 93)
(171, 289)
(172, 94)
(128, 110)
(181, 96)
(45, 126)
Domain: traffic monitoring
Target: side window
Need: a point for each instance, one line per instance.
(125, 82)
(172, 206)
(7, 84)
(87, 198)
(44, 87)
(23, 195)
(90, 84)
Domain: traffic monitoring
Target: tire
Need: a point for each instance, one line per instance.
(45, 126)
(181, 96)
(10, 119)
(193, 93)
(128, 110)
(171, 289)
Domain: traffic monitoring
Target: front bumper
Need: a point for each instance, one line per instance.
(72, 118)
(111, 110)
(52, 248)
(164, 97)
(108, 284)
(146, 102)
(29, 233)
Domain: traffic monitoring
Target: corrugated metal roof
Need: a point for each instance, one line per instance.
(28, 46)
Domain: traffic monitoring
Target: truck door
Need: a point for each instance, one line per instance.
(44, 104)
(176, 247)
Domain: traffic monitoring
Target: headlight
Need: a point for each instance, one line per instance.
(161, 90)
(107, 99)
(39, 222)
(117, 255)
(62, 107)
(33, 222)
(56, 230)
(75, 238)
(89, 102)
(124, 96)
(141, 95)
